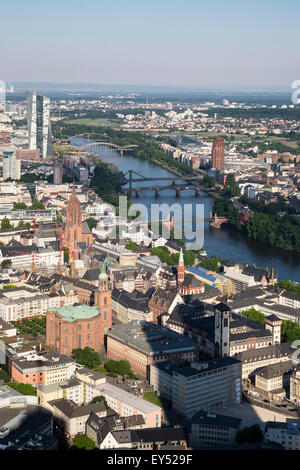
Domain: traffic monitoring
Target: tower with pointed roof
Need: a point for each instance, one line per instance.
(103, 301)
(73, 232)
(180, 269)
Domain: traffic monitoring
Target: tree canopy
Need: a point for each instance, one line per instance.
(82, 441)
(121, 367)
(24, 389)
(255, 315)
(5, 223)
(92, 223)
(211, 263)
(250, 434)
(87, 357)
(6, 263)
(100, 399)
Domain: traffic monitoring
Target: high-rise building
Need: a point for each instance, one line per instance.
(11, 166)
(39, 125)
(218, 154)
(57, 173)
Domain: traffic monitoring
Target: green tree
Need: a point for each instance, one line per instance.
(231, 189)
(250, 434)
(92, 223)
(82, 441)
(121, 367)
(6, 263)
(130, 245)
(20, 205)
(87, 357)
(290, 331)
(36, 205)
(211, 263)
(24, 389)
(4, 376)
(255, 315)
(66, 254)
(100, 399)
(189, 258)
(5, 223)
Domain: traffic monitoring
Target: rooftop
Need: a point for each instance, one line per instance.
(76, 312)
(150, 338)
(132, 400)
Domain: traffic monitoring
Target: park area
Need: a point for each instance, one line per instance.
(33, 327)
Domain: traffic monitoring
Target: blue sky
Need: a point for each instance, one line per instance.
(191, 43)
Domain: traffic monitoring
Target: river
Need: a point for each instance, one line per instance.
(225, 242)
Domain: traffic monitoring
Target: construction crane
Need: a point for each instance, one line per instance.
(60, 237)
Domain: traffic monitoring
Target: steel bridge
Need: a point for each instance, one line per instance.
(134, 177)
(105, 144)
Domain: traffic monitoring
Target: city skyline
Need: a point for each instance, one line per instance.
(191, 45)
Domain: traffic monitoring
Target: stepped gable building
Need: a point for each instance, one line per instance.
(76, 232)
(262, 276)
(163, 301)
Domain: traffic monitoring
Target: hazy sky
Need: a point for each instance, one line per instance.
(168, 42)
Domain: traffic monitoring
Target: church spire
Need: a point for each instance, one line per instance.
(181, 260)
(180, 269)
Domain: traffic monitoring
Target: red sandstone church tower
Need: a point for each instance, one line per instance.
(103, 302)
(180, 269)
(218, 154)
(75, 231)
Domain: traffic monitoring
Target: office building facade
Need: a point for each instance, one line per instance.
(57, 173)
(218, 154)
(39, 125)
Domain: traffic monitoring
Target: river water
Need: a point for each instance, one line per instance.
(225, 242)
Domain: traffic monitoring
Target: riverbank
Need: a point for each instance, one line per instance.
(226, 242)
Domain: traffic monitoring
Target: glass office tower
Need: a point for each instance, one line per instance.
(39, 125)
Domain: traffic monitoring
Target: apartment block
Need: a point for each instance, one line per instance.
(46, 368)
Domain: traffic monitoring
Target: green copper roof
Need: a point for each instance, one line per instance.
(78, 312)
(103, 274)
(181, 260)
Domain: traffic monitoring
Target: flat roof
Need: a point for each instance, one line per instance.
(150, 338)
(128, 398)
(214, 364)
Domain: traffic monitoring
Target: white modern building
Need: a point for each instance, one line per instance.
(39, 125)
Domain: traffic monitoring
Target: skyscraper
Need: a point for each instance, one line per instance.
(11, 166)
(57, 172)
(39, 125)
(218, 154)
